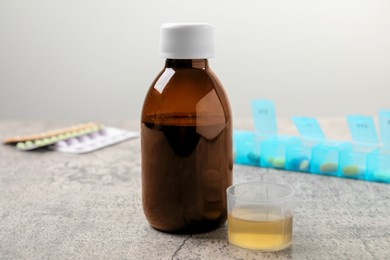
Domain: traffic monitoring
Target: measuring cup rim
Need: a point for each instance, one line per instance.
(287, 197)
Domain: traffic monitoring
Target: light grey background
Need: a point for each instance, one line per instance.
(94, 60)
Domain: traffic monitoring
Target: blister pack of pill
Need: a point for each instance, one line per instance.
(39, 140)
(106, 136)
(82, 138)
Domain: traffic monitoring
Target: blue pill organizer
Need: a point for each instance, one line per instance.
(363, 158)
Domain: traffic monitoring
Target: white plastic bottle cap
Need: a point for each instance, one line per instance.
(186, 41)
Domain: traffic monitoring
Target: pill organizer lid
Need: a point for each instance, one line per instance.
(186, 41)
(362, 129)
(308, 127)
(264, 117)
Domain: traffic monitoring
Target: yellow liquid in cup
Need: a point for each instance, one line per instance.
(259, 228)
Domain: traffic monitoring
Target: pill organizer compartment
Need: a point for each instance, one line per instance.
(353, 161)
(298, 155)
(379, 160)
(325, 157)
(273, 151)
(378, 165)
(246, 146)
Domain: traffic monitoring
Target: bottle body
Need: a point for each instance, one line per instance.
(186, 140)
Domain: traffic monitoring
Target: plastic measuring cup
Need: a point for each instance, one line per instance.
(260, 215)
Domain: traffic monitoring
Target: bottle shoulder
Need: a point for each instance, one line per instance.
(192, 91)
(184, 81)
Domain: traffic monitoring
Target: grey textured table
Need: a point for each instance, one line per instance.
(62, 206)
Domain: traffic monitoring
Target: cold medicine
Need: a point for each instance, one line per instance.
(186, 136)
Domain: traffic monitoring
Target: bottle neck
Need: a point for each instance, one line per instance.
(187, 64)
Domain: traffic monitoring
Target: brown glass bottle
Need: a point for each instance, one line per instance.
(186, 137)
